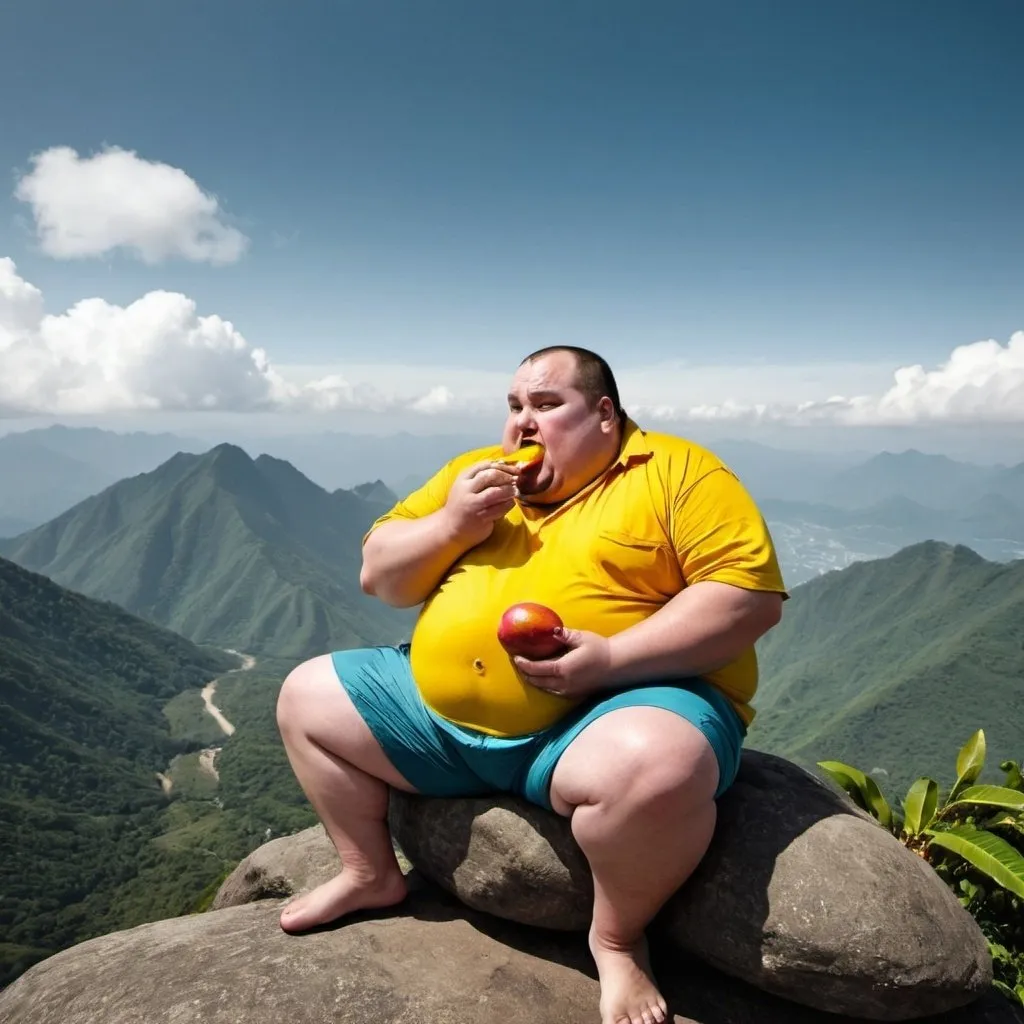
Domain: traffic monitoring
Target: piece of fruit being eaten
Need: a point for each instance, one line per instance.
(530, 454)
(528, 629)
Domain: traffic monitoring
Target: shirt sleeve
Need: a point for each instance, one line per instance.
(719, 534)
(432, 495)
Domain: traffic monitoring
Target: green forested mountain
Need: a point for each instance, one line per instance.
(893, 663)
(225, 549)
(82, 735)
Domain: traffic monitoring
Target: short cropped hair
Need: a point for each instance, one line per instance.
(594, 376)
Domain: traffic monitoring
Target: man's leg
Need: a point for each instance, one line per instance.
(639, 785)
(345, 774)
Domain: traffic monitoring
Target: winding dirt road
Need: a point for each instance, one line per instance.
(211, 688)
(208, 756)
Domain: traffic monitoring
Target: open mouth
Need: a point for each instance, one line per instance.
(530, 453)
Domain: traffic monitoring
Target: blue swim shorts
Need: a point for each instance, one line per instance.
(440, 758)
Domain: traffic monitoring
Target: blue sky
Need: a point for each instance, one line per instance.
(795, 198)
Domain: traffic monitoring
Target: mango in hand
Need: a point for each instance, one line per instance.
(530, 454)
(528, 629)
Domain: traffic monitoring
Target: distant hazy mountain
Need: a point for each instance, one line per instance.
(10, 527)
(893, 663)
(223, 549)
(46, 471)
(816, 538)
(933, 480)
(782, 473)
(81, 736)
(128, 453)
(39, 483)
(376, 491)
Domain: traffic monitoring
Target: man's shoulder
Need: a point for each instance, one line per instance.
(681, 453)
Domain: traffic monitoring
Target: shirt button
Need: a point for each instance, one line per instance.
(478, 666)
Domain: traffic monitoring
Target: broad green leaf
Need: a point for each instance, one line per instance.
(1014, 779)
(862, 788)
(989, 853)
(969, 762)
(989, 796)
(922, 799)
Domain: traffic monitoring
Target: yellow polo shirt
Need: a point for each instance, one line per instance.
(666, 514)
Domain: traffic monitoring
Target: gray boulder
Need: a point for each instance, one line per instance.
(286, 867)
(801, 894)
(282, 867)
(429, 960)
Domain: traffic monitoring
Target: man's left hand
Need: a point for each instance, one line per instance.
(581, 669)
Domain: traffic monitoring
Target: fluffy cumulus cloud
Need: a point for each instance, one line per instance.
(115, 200)
(158, 353)
(982, 382)
(161, 354)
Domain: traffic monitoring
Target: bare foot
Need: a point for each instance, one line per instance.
(344, 893)
(628, 992)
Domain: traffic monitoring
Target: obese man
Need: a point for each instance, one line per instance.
(663, 571)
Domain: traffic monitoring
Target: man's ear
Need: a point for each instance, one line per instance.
(606, 408)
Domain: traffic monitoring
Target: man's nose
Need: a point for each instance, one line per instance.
(525, 421)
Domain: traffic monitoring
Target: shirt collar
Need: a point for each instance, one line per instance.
(635, 445)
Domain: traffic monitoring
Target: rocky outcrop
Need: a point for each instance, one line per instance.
(281, 867)
(429, 961)
(803, 912)
(801, 894)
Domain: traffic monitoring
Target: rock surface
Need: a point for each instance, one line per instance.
(427, 961)
(801, 894)
(282, 867)
(500, 855)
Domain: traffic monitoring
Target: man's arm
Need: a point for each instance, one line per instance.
(405, 559)
(701, 629)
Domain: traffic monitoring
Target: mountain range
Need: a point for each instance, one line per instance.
(56, 467)
(892, 664)
(888, 663)
(224, 549)
(826, 510)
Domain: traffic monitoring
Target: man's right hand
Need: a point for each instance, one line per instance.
(478, 498)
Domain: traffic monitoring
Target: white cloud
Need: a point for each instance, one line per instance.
(90, 206)
(158, 353)
(980, 383)
(439, 399)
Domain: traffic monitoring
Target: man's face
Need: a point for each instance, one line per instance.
(580, 438)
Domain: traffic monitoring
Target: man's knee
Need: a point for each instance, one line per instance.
(297, 695)
(674, 776)
(656, 761)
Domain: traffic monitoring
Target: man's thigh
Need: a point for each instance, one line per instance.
(380, 688)
(683, 736)
(312, 702)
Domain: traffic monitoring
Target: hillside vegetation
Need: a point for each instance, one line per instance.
(82, 735)
(904, 654)
(223, 549)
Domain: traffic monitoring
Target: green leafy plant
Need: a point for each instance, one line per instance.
(974, 839)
